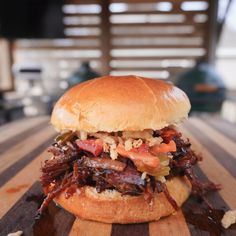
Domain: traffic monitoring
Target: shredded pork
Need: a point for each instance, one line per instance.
(92, 159)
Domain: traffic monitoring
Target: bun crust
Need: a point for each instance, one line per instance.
(120, 103)
(111, 207)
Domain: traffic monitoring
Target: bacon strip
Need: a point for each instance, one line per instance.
(94, 146)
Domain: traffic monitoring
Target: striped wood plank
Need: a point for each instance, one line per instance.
(225, 127)
(87, 228)
(8, 143)
(12, 129)
(25, 146)
(216, 136)
(176, 225)
(23, 185)
(21, 216)
(214, 171)
(25, 178)
(130, 229)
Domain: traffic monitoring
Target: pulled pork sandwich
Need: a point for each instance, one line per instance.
(119, 157)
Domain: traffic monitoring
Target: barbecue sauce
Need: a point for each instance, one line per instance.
(206, 219)
(17, 188)
(45, 224)
(70, 191)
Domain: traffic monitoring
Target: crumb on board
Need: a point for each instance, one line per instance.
(17, 233)
(229, 218)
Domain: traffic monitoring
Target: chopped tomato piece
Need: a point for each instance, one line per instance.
(142, 148)
(163, 148)
(143, 160)
(94, 146)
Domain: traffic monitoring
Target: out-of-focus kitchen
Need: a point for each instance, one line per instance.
(48, 46)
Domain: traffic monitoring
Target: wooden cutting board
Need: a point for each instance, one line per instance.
(22, 149)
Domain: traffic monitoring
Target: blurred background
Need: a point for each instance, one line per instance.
(46, 46)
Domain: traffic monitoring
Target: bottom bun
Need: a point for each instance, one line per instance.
(111, 207)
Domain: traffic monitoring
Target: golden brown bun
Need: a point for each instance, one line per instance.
(120, 103)
(111, 207)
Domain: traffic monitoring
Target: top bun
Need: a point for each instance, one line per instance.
(120, 103)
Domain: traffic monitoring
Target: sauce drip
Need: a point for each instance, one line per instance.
(17, 188)
(204, 218)
(44, 225)
(70, 191)
(208, 220)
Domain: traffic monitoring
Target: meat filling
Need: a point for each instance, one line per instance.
(132, 163)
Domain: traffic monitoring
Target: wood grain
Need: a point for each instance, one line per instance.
(222, 156)
(175, 224)
(216, 136)
(215, 171)
(20, 174)
(157, 46)
(131, 229)
(25, 177)
(20, 149)
(12, 129)
(225, 127)
(8, 143)
(13, 169)
(87, 228)
(22, 216)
